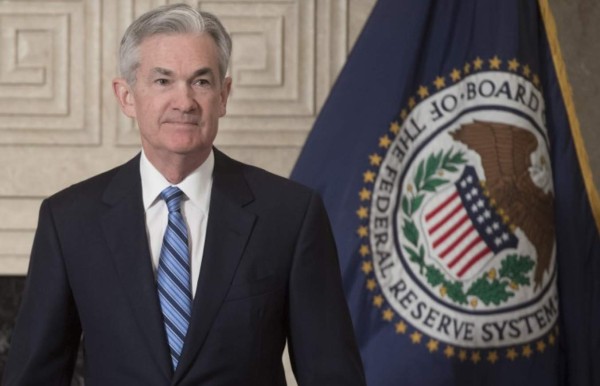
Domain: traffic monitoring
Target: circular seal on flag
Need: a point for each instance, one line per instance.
(460, 225)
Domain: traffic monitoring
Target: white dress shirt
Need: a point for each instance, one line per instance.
(196, 188)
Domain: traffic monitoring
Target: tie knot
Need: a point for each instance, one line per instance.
(172, 195)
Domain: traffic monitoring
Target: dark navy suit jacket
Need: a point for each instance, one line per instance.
(269, 273)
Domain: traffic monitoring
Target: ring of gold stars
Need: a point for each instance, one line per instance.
(362, 212)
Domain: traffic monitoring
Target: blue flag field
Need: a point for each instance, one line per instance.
(450, 159)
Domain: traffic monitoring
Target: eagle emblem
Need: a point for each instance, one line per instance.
(505, 153)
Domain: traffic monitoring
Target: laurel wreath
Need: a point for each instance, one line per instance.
(491, 287)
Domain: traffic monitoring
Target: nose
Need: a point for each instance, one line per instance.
(183, 98)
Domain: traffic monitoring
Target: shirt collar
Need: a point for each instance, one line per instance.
(196, 186)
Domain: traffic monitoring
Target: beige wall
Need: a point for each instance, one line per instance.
(578, 25)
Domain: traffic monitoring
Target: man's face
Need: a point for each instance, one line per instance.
(178, 96)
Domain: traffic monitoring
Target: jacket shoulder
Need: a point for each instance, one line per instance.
(263, 182)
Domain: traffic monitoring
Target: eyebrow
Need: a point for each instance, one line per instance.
(202, 71)
(199, 72)
(162, 71)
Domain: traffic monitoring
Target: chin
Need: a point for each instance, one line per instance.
(190, 150)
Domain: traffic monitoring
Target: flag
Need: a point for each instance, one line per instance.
(450, 160)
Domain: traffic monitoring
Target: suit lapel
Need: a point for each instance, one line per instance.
(125, 231)
(229, 226)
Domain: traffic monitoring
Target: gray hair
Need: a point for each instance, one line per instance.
(171, 19)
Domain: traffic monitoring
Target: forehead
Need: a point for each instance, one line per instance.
(178, 51)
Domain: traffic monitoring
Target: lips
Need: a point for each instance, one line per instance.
(184, 119)
(185, 122)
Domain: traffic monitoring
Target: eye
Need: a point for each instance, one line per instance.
(202, 82)
(161, 82)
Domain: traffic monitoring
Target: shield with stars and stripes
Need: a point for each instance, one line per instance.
(464, 229)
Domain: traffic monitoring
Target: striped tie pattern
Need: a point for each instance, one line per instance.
(173, 277)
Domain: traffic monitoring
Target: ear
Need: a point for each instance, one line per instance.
(225, 90)
(124, 94)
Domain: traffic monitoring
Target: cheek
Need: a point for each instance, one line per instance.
(217, 108)
(150, 113)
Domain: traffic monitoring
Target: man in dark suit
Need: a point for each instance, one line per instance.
(182, 266)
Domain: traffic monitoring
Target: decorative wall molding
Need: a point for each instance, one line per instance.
(50, 73)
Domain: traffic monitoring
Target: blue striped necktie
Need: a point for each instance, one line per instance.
(173, 277)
